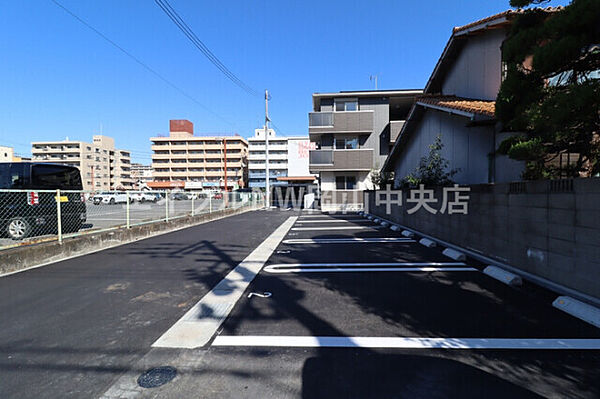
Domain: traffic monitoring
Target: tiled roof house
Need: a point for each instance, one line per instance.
(458, 102)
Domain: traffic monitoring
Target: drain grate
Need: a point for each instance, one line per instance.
(157, 376)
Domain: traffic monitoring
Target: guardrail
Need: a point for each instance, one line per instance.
(34, 216)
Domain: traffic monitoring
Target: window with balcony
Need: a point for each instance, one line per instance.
(345, 143)
(345, 182)
(346, 105)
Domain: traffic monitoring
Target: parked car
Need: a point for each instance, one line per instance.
(144, 197)
(32, 211)
(111, 198)
(218, 196)
(178, 196)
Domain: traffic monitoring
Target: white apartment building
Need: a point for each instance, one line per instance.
(288, 159)
(102, 166)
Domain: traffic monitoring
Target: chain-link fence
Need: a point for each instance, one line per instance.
(31, 216)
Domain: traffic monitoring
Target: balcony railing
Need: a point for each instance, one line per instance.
(324, 160)
(341, 122)
(320, 157)
(320, 119)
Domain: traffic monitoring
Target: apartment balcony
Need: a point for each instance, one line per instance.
(272, 147)
(340, 122)
(159, 147)
(272, 157)
(340, 160)
(395, 128)
(215, 173)
(196, 173)
(157, 173)
(161, 156)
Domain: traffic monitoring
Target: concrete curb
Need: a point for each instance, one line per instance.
(541, 281)
(451, 253)
(503, 276)
(31, 256)
(408, 234)
(583, 311)
(427, 242)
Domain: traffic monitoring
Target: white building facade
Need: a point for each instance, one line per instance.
(288, 157)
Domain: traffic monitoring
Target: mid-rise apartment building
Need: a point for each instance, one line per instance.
(102, 166)
(182, 160)
(353, 132)
(288, 159)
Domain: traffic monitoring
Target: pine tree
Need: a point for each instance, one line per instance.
(551, 90)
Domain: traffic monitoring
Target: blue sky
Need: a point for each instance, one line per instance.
(59, 79)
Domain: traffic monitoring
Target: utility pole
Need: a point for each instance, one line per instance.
(267, 187)
(225, 159)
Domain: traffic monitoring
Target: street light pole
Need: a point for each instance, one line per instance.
(267, 177)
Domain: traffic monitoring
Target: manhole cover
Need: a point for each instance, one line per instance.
(157, 376)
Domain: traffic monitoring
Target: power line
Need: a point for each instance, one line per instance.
(137, 60)
(189, 33)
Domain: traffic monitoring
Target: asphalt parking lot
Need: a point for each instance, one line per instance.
(379, 333)
(327, 306)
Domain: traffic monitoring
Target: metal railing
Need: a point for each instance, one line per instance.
(316, 119)
(320, 157)
(33, 216)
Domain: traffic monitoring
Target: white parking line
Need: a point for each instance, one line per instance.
(368, 267)
(352, 240)
(337, 228)
(331, 217)
(408, 343)
(371, 270)
(304, 221)
(202, 321)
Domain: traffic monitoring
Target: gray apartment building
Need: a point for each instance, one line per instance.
(354, 132)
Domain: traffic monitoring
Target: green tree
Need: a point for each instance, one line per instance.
(431, 170)
(551, 90)
(381, 179)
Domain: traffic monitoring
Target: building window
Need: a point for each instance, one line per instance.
(345, 143)
(346, 105)
(345, 182)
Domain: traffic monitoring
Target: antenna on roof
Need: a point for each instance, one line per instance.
(374, 78)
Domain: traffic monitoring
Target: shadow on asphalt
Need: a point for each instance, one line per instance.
(364, 374)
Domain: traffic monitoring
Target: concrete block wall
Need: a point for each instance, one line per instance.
(547, 228)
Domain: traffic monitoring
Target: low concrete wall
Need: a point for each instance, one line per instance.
(550, 229)
(12, 260)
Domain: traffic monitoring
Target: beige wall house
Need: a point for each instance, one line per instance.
(459, 104)
(102, 166)
(183, 160)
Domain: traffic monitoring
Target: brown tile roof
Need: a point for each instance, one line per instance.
(480, 107)
(507, 13)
